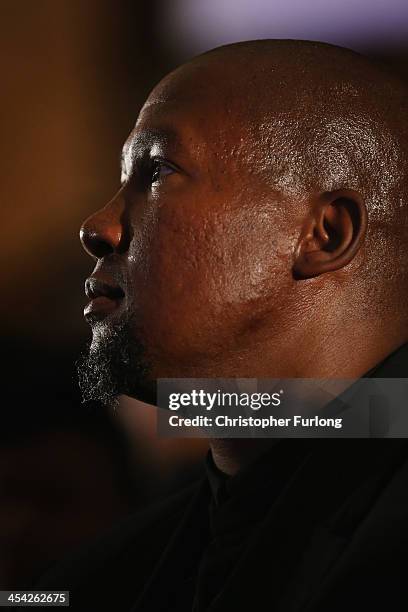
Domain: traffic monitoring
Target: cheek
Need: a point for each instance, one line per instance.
(180, 301)
(201, 281)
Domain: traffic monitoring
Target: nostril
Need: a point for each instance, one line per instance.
(95, 244)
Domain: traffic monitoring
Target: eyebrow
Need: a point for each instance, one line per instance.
(145, 140)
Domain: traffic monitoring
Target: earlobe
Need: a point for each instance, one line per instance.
(332, 234)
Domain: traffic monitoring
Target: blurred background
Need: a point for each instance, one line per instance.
(74, 74)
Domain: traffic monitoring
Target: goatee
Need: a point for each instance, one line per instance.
(114, 364)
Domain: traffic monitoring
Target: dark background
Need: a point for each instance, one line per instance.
(73, 76)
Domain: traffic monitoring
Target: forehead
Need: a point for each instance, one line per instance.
(190, 107)
(169, 131)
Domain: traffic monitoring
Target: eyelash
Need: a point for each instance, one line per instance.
(153, 168)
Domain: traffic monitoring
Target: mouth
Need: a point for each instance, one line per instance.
(104, 299)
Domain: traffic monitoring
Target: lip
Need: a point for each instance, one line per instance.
(104, 298)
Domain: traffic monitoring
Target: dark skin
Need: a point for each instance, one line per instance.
(259, 230)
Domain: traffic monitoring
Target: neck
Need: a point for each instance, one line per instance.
(231, 455)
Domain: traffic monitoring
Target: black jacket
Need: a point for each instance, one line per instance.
(335, 538)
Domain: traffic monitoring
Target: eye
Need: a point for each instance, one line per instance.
(160, 169)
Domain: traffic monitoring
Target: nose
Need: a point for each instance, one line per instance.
(102, 233)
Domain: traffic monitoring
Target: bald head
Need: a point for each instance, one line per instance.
(261, 225)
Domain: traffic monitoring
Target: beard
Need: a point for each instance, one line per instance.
(114, 364)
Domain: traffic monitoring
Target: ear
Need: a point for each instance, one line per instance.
(332, 234)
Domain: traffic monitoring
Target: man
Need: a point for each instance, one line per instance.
(260, 231)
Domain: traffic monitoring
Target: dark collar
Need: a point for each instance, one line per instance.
(257, 477)
(216, 479)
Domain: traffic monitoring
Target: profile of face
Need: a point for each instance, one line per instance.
(210, 247)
